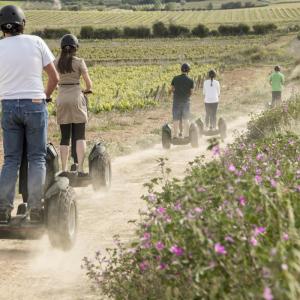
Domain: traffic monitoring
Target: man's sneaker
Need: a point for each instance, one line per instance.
(4, 215)
(36, 215)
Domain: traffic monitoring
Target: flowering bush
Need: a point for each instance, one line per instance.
(228, 230)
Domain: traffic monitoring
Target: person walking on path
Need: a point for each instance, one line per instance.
(71, 102)
(182, 87)
(24, 112)
(211, 92)
(276, 80)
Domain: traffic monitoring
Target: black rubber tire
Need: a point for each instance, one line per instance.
(165, 139)
(222, 128)
(100, 172)
(61, 221)
(200, 125)
(194, 135)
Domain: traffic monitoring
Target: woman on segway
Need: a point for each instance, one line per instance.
(71, 102)
(211, 92)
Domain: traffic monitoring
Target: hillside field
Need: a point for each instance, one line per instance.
(279, 14)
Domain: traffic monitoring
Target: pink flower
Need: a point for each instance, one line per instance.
(198, 210)
(201, 189)
(253, 241)
(177, 250)
(278, 173)
(152, 197)
(268, 294)
(144, 265)
(159, 246)
(162, 266)
(231, 168)
(229, 239)
(259, 156)
(216, 150)
(285, 237)
(259, 230)
(146, 236)
(177, 206)
(273, 183)
(161, 210)
(258, 179)
(220, 249)
(242, 200)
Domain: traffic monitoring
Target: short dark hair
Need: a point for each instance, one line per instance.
(277, 68)
(13, 29)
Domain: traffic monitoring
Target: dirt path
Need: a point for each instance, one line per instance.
(33, 270)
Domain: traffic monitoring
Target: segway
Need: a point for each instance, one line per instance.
(100, 172)
(168, 140)
(220, 130)
(59, 208)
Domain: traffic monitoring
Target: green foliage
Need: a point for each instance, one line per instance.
(200, 31)
(51, 33)
(264, 28)
(228, 230)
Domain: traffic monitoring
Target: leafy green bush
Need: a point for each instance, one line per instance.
(228, 230)
(137, 32)
(51, 33)
(87, 32)
(264, 28)
(159, 29)
(200, 31)
(178, 30)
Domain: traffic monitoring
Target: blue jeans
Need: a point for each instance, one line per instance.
(181, 110)
(23, 119)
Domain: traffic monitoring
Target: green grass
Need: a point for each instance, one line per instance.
(279, 14)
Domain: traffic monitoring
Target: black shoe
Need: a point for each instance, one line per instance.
(82, 174)
(5, 215)
(74, 167)
(36, 215)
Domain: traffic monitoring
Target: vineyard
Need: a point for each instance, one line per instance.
(161, 50)
(281, 13)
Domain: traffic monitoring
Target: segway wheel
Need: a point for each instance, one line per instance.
(194, 134)
(100, 172)
(166, 139)
(200, 125)
(62, 219)
(222, 128)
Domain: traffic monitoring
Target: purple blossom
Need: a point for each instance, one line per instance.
(162, 266)
(144, 265)
(198, 210)
(259, 156)
(178, 251)
(161, 210)
(201, 189)
(253, 241)
(242, 200)
(273, 183)
(229, 239)
(216, 150)
(285, 237)
(177, 206)
(258, 179)
(220, 249)
(268, 294)
(159, 246)
(259, 230)
(231, 168)
(278, 173)
(152, 197)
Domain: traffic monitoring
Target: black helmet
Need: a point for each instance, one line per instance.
(185, 68)
(11, 14)
(277, 68)
(212, 73)
(69, 40)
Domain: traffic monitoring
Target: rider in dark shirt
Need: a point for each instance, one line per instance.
(182, 87)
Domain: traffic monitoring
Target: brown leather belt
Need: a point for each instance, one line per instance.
(68, 84)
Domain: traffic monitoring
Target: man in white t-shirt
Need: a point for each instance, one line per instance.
(24, 113)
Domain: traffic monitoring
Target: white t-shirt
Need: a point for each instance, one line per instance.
(22, 59)
(211, 91)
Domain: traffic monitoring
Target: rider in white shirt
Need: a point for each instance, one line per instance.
(24, 113)
(211, 92)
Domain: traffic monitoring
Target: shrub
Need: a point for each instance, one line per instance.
(240, 29)
(51, 33)
(178, 30)
(264, 28)
(101, 33)
(228, 230)
(231, 5)
(200, 31)
(160, 30)
(87, 32)
(138, 32)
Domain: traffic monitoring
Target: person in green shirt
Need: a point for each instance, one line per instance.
(276, 82)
